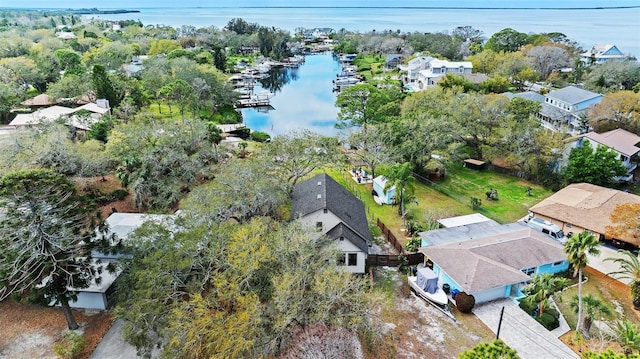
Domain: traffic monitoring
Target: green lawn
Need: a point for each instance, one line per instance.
(513, 202)
(452, 197)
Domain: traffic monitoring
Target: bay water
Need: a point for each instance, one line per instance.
(307, 101)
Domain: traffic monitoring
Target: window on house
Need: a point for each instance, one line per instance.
(623, 158)
(353, 259)
(340, 259)
(529, 271)
(318, 226)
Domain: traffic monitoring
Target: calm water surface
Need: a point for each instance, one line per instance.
(305, 102)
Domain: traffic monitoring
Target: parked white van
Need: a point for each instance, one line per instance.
(547, 228)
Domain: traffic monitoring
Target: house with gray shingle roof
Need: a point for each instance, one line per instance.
(562, 109)
(322, 203)
(491, 261)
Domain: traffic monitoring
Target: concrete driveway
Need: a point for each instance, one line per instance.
(598, 262)
(113, 345)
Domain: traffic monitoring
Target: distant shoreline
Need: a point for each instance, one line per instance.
(125, 11)
(92, 11)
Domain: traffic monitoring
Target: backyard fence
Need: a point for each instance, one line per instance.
(393, 260)
(390, 237)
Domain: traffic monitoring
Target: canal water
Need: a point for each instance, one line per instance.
(303, 98)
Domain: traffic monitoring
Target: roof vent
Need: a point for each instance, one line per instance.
(319, 183)
(319, 196)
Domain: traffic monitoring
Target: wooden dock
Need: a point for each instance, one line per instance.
(253, 102)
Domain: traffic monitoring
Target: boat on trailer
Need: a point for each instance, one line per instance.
(425, 285)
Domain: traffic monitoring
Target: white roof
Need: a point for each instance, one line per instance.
(92, 107)
(463, 220)
(450, 64)
(48, 114)
(122, 224)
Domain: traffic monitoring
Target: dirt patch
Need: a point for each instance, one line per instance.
(416, 329)
(30, 331)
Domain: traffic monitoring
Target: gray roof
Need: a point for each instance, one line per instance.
(322, 191)
(572, 95)
(462, 233)
(342, 230)
(529, 95)
(495, 260)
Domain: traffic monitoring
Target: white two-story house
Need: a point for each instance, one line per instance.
(436, 69)
(562, 109)
(322, 203)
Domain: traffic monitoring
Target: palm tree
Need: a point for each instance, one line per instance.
(630, 270)
(577, 248)
(592, 307)
(628, 335)
(401, 176)
(541, 287)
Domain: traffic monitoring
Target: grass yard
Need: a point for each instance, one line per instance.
(513, 202)
(452, 197)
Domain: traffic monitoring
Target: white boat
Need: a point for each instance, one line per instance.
(425, 285)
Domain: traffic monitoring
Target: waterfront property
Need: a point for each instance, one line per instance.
(491, 261)
(601, 53)
(322, 203)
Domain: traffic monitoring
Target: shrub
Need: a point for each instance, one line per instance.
(119, 194)
(528, 306)
(260, 136)
(548, 321)
(465, 302)
(476, 202)
(70, 346)
(413, 244)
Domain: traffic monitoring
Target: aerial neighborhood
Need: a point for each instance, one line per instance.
(470, 192)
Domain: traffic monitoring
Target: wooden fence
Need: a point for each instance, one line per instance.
(393, 260)
(391, 238)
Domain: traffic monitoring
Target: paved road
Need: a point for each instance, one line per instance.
(521, 332)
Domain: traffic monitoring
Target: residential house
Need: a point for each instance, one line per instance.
(414, 66)
(601, 53)
(322, 203)
(491, 261)
(393, 60)
(623, 142)
(69, 115)
(528, 95)
(99, 295)
(42, 100)
(134, 68)
(65, 35)
(584, 206)
(436, 69)
(563, 108)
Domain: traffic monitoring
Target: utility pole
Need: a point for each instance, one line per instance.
(500, 323)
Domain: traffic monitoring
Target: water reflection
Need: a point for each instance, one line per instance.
(277, 78)
(305, 101)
